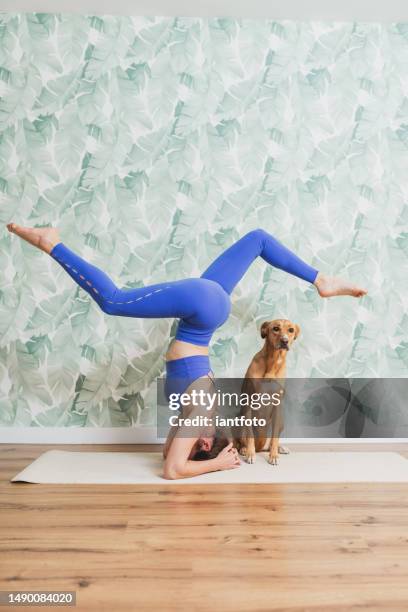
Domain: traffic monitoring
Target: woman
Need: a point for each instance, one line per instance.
(202, 305)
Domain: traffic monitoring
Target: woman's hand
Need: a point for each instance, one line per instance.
(228, 458)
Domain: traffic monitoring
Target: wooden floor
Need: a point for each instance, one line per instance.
(287, 547)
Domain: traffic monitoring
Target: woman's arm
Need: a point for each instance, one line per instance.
(169, 440)
(177, 465)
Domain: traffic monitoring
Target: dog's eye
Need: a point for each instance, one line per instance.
(291, 330)
(275, 328)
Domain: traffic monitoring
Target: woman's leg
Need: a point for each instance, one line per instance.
(170, 299)
(231, 265)
(193, 300)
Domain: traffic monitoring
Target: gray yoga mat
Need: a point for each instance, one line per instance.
(75, 467)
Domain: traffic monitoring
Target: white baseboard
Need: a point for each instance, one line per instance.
(134, 435)
(79, 435)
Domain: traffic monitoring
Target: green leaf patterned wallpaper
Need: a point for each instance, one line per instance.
(154, 143)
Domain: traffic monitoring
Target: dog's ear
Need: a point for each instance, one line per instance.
(297, 331)
(264, 329)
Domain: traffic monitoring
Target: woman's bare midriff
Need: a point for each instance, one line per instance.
(179, 349)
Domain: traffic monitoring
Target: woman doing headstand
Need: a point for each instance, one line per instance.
(202, 305)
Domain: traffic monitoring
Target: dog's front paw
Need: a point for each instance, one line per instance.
(283, 450)
(273, 458)
(250, 457)
(243, 451)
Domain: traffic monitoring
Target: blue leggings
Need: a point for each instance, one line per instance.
(202, 304)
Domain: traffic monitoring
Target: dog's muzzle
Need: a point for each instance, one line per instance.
(284, 345)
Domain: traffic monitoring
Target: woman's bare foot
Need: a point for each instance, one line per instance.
(45, 238)
(328, 286)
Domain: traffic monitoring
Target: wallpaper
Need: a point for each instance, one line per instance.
(153, 143)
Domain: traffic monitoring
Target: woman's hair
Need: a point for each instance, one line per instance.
(220, 442)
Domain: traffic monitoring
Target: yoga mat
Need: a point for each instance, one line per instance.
(74, 467)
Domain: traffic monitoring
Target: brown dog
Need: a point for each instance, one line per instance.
(268, 363)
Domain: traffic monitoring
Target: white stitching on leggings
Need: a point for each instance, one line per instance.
(110, 301)
(140, 298)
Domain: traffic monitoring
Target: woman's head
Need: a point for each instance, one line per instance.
(208, 447)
